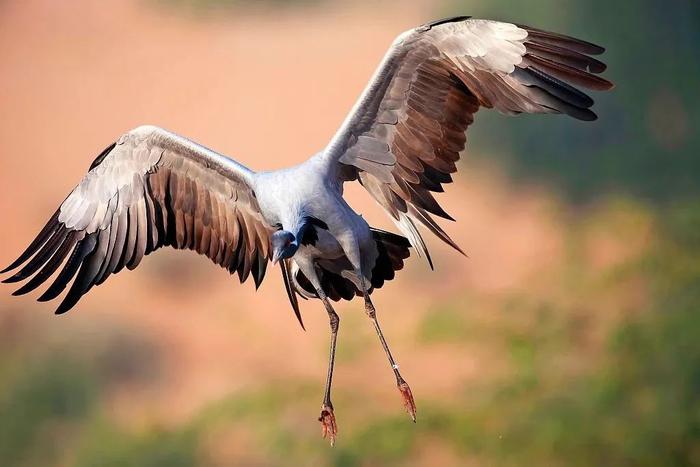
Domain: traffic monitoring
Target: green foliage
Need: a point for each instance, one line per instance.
(106, 446)
(41, 405)
(385, 441)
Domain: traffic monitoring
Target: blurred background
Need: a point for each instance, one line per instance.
(570, 336)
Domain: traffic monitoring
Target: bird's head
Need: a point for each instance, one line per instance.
(284, 245)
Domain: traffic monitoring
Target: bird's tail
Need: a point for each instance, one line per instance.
(393, 249)
(340, 283)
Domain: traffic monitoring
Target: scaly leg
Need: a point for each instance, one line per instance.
(329, 428)
(401, 383)
(327, 418)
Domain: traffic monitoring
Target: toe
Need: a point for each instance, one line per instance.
(408, 401)
(329, 428)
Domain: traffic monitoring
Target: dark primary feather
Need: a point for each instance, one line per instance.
(285, 267)
(81, 250)
(51, 265)
(33, 247)
(561, 40)
(42, 256)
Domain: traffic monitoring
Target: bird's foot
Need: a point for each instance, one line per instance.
(329, 428)
(408, 401)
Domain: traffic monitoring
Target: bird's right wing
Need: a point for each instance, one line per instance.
(151, 188)
(404, 135)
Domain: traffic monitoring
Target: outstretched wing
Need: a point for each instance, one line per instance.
(149, 189)
(405, 133)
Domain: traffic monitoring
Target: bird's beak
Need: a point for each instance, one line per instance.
(276, 256)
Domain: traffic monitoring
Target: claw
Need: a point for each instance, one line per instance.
(408, 401)
(329, 428)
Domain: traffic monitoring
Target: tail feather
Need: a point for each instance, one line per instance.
(393, 249)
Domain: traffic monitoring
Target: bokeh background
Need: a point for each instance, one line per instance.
(570, 336)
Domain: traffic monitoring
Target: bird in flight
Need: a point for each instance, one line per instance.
(401, 141)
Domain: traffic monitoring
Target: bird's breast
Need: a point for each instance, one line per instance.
(288, 193)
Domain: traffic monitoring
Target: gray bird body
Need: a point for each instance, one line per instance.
(289, 196)
(401, 141)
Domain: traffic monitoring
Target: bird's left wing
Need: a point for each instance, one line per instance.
(151, 188)
(404, 135)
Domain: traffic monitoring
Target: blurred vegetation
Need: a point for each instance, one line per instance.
(444, 323)
(639, 405)
(636, 403)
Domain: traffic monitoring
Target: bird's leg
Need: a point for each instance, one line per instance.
(401, 383)
(327, 418)
(329, 428)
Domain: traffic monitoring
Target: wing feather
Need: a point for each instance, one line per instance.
(82, 248)
(51, 265)
(404, 136)
(151, 188)
(43, 255)
(37, 243)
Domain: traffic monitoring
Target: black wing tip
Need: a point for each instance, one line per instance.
(594, 49)
(69, 302)
(533, 77)
(25, 289)
(21, 291)
(583, 46)
(398, 240)
(449, 19)
(46, 297)
(597, 67)
(559, 65)
(41, 238)
(63, 309)
(459, 249)
(10, 268)
(442, 214)
(301, 321)
(291, 292)
(429, 259)
(552, 54)
(584, 115)
(12, 279)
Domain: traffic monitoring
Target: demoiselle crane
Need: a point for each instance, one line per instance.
(401, 141)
